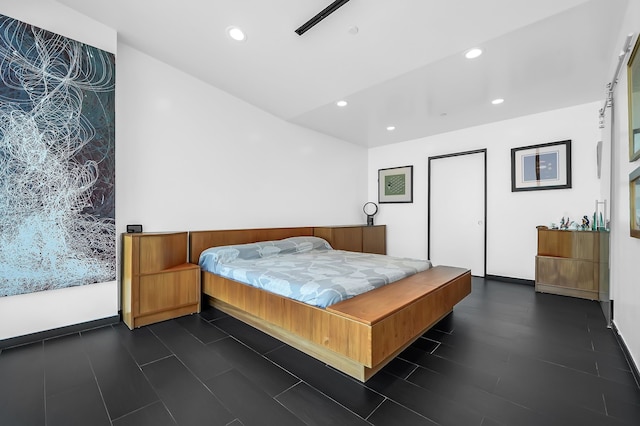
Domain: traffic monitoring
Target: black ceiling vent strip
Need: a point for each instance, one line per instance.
(320, 16)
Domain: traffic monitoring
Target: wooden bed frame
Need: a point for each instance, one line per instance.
(357, 336)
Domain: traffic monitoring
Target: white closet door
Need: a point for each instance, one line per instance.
(457, 198)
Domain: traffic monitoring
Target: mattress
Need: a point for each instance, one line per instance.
(307, 269)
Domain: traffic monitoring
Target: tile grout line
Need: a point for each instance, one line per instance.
(145, 376)
(318, 390)
(222, 404)
(44, 386)
(251, 349)
(137, 409)
(415, 368)
(287, 389)
(95, 378)
(376, 408)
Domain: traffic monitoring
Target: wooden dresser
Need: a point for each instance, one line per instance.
(572, 263)
(360, 238)
(157, 282)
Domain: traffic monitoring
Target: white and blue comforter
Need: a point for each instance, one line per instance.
(307, 269)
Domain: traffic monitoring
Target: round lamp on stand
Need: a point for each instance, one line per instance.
(370, 209)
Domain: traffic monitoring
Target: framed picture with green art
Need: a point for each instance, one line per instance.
(395, 185)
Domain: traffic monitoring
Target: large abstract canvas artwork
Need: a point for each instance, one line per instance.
(57, 161)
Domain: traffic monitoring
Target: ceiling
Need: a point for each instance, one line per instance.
(404, 66)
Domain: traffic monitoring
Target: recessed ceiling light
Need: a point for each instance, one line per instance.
(341, 103)
(473, 53)
(497, 101)
(236, 33)
(391, 128)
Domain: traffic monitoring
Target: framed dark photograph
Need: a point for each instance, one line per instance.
(544, 166)
(633, 76)
(395, 185)
(634, 202)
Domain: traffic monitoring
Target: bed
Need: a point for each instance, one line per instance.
(358, 335)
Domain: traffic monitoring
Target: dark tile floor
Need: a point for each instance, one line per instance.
(506, 356)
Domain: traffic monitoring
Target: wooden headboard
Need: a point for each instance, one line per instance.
(202, 240)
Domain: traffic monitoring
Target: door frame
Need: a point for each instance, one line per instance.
(457, 154)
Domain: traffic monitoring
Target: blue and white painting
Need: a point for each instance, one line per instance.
(540, 167)
(57, 161)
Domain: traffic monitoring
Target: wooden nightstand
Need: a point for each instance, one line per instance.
(157, 282)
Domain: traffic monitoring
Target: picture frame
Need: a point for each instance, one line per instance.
(543, 166)
(634, 203)
(633, 87)
(395, 185)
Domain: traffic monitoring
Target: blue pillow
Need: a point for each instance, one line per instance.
(211, 258)
(306, 244)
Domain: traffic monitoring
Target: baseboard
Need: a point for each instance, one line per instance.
(57, 332)
(511, 280)
(627, 355)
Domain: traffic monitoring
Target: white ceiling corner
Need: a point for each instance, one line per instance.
(404, 67)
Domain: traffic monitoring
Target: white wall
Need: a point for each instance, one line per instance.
(189, 157)
(512, 217)
(625, 251)
(34, 312)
